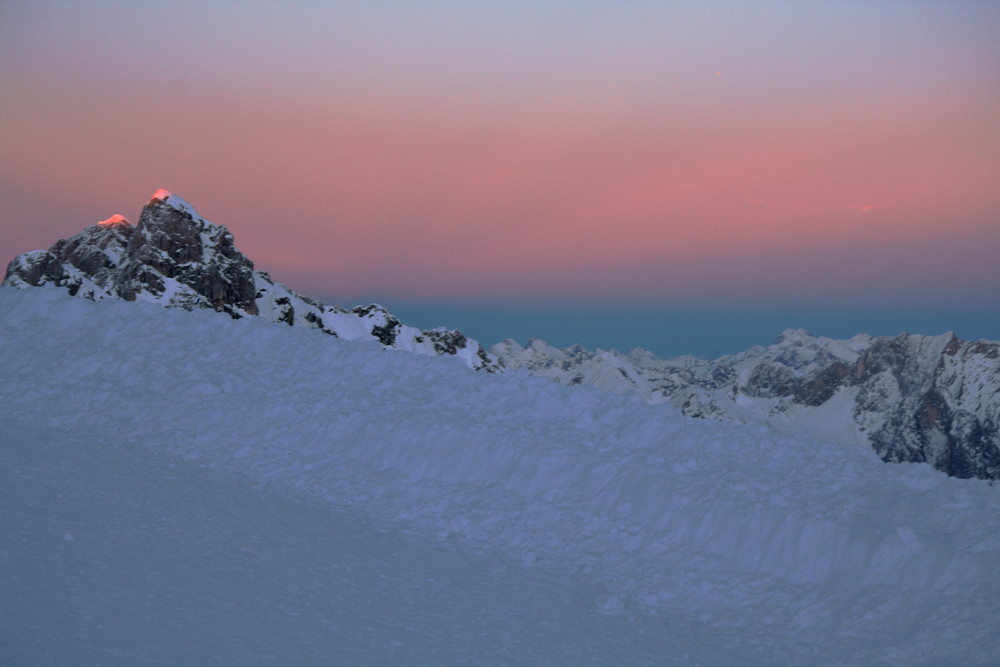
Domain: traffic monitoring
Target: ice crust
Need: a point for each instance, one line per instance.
(726, 543)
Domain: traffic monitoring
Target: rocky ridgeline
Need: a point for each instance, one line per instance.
(933, 399)
(178, 259)
(927, 399)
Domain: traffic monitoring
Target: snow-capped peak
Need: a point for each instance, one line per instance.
(164, 196)
(176, 258)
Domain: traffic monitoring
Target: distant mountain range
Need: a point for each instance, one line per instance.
(911, 398)
(927, 399)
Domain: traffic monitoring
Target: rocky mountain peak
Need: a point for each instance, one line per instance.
(179, 256)
(178, 259)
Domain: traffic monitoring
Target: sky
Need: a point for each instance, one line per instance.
(764, 164)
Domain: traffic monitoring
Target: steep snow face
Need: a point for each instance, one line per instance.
(715, 543)
(177, 259)
(933, 399)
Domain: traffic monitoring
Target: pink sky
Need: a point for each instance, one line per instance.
(556, 151)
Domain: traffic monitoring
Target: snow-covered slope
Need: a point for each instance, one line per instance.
(177, 259)
(933, 399)
(189, 489)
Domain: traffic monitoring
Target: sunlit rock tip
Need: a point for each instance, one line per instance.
(116, 220)
(161, 194)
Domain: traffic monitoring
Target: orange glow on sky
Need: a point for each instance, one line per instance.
(361, 159)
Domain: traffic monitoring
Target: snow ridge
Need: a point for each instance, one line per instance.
(784, 550)
(176, 258)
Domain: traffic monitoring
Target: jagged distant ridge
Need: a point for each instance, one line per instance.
(178, 259)
(912, 398)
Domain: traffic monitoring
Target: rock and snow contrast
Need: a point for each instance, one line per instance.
(911, 398)
(178, 259)
(184, 488)
(926, 399)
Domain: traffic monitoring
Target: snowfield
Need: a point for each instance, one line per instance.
(183, 488)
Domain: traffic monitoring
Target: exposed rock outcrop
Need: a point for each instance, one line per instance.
(178, 259)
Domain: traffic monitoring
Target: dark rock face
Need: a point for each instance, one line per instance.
(86, 264)
(820, 389)
(287, 312)
(178, 259)
(931, 400)
(172, 256)
(447, 342)
(173, 243)
(39, 268)
(385, 327)
(770, 381)
(941, 397)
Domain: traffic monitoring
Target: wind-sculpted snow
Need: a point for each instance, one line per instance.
(911, 398)
(773, 549)
(176, 258)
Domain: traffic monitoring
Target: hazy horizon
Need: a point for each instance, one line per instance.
(675, 330)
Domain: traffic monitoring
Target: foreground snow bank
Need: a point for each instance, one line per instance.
(788, 549)
(127, 557)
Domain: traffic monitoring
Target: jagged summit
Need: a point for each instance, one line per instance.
(164, 197)
(176, 258)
